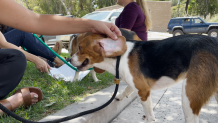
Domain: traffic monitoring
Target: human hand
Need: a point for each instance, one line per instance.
(109, 29)
(42, 66)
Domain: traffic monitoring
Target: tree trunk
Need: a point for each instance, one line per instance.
(207, 4)
(68, 12)
(81, 6)
(186, 7)
(178, 7)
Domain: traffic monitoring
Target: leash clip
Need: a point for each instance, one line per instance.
(116, 81)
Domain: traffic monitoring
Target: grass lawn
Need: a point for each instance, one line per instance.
(56, 94)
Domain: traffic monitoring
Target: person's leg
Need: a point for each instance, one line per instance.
(12, 65)
(27, 40)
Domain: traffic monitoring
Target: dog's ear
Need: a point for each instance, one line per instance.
(98, 70)
(108, 47)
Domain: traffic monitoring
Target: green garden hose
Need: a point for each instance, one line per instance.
(56, 53)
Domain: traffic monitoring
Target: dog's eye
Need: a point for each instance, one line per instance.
(79, 48)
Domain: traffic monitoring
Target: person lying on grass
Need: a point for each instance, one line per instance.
(13, 59)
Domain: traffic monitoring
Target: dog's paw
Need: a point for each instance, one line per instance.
(97, 80)
(119, 97)
(150, 119)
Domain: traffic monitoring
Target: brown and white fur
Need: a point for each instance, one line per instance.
(76, 38)
(152, 65)
(73, 48)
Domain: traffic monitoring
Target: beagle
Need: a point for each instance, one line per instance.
(77, 38)
(152, 65)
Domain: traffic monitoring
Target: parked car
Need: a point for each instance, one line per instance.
(107, 16)
(188, 25)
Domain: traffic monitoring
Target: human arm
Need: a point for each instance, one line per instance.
(50, 24)
(41, 65)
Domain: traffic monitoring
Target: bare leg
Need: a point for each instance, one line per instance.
(58, 62)
(58, 47)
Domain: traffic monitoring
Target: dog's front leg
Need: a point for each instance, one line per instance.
(147, 106)
(94, 77)
(76, 77)
(127, 91)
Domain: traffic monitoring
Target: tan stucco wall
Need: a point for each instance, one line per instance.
(160, 14)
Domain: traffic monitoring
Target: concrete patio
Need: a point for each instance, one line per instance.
(167, 109)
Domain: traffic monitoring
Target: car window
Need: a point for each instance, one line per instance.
(97, 15)
(186, 21)
(196, 21)
(175, 21)
(115, 14)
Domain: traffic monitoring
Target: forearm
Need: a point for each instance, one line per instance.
(14, 15)
(29, 57)
(63, 25)
(40, 24)
(44, 25)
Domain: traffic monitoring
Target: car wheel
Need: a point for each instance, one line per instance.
(213, 33)
(178, 32)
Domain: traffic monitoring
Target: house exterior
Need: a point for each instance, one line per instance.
(160, 14)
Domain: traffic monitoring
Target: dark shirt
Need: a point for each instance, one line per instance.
(133, 18)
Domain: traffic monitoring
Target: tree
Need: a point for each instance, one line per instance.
(105, 3)
(67, 9)
(186, 6)
(77, 8)
(203, 7)
(82, 7)
(49, 7)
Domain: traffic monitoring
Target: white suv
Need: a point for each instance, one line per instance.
(107, 16)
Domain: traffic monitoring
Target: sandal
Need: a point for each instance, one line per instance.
(6, 104)
(26, 97)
